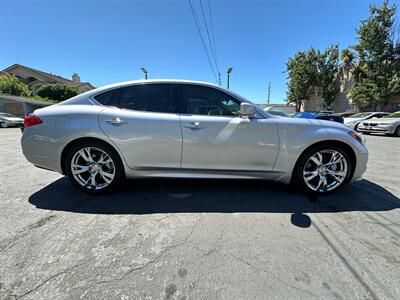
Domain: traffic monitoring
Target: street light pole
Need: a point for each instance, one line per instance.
(229, 73)
(144, 72)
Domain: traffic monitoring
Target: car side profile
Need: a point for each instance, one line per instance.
(186, 129)
(355, 120)
(389, 124)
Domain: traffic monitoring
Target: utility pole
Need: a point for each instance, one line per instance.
(269, 91)
(229, 73)
(219, 79)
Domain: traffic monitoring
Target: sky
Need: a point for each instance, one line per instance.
(107, 41)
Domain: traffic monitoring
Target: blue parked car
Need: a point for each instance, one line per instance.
(321, 115)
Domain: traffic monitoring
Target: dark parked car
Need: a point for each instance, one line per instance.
(344, 114)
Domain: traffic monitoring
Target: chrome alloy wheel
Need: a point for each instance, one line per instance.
(325, 170)
(92, 168)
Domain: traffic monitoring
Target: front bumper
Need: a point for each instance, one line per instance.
(376, 129)
(361, 153)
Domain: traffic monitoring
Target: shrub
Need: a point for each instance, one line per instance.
(58, 92)
(11, 85)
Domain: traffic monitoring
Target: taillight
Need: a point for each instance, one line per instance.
(31, 120)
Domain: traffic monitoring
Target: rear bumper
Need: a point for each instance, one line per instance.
(41, 151)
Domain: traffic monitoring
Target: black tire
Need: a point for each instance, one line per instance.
(119, 174)
(397, 132)
(3, 125)
(297, 176)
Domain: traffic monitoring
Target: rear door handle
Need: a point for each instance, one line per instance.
(117, 121)
(194, 125)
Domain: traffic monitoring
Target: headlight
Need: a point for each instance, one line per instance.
(355, 135)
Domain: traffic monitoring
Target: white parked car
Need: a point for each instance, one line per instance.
(389, 124)
(9, 120)
(354, 120)
(175, 128)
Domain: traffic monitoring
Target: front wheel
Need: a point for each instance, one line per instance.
(3, 125)
(397, 132)
(322, 169)
(94, 167)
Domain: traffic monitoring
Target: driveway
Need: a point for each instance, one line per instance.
(198, 239)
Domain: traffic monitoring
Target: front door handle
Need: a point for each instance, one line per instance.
(194, 125)
(117, 121)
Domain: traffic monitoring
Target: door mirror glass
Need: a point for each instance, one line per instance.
(247, 110)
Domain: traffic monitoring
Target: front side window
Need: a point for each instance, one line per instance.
(147, 97)
(201, 100)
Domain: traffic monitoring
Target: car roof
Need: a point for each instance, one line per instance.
(170, 81)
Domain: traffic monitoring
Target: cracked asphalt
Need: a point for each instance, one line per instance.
(198, 239)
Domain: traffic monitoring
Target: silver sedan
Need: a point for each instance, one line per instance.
(171, 128)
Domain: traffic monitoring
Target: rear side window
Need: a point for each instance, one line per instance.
(148, 97)
(108, 98)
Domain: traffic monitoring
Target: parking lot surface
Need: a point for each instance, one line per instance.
(198, 239)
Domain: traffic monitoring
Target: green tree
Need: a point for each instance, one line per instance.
(58, 92)
(302, 76)
(327, 68)
(378, 58)
(11, 85)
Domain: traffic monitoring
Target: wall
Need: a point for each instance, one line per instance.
(18, 106)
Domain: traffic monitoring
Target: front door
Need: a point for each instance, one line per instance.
(215, 137)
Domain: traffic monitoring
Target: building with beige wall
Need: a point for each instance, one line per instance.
(35, 78)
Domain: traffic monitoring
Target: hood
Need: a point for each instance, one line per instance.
(383, 120)
(348, 120)
(310, 122)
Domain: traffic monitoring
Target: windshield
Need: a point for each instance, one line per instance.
(393, 115)
(360, 115)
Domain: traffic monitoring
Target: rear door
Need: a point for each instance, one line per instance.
(144, 125)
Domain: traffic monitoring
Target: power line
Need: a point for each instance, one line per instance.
(208, 36)
(202, 39)
(212, 26)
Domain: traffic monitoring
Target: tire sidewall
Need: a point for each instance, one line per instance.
(298, 174)
(397, 131)
(119, 168)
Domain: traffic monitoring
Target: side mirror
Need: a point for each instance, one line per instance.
(247, 110)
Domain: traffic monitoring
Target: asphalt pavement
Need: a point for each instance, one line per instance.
(198, 239)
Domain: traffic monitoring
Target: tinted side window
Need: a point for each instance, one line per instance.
(201, 100)
(108, 98)
(147, 97)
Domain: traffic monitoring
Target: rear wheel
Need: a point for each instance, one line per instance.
(322, 169)
(94, 167)
(3, 125)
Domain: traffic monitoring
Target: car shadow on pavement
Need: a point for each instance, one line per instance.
(153, 196)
